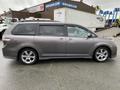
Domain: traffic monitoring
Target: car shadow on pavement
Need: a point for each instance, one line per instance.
(67, 61)
(73, 60)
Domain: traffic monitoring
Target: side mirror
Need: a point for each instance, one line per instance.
(89, 35)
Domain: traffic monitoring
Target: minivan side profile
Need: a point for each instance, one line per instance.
(29, 42)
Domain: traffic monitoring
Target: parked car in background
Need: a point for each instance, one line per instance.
(3, 27)
(6, 23)
(29, 42)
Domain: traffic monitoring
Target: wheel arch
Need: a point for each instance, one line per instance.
(105, 46)
(27, 47)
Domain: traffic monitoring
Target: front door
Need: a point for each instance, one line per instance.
(77, 42)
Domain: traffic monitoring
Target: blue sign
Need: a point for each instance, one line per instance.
(69, 5)
(54, 4)
(109, 12)
(117, 9)
(101, 12)
(114, 14)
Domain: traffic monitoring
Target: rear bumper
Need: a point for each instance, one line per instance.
(9, 53)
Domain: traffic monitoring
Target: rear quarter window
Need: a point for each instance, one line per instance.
(24, 29)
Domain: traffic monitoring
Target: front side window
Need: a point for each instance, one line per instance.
(24, 29)
(52, 30)
(74, 31)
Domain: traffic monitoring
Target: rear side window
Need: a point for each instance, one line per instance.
(24, 29)
(52, 30)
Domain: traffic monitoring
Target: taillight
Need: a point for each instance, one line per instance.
(5, 40)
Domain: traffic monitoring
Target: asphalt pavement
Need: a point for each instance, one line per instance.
(109, 32)
(61, 74)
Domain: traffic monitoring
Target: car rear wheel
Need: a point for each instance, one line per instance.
(28, 56)
(101, 54)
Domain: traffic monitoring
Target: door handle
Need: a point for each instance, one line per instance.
(61, 38)
(70, 38)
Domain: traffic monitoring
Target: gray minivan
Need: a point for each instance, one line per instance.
(29, 42)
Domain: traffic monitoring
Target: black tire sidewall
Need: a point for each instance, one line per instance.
(1, 34)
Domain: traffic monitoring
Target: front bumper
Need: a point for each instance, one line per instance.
(113, 51)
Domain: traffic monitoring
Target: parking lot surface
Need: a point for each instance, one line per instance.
(109, 32)
(61, 74)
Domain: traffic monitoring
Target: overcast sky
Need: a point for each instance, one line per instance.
(20, 4)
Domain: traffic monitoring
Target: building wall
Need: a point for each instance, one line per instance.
(19, 14)
(49, 12)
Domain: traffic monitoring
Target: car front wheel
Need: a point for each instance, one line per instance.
(28, 56)
(101, 54)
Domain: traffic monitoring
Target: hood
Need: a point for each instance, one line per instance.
(106, 38)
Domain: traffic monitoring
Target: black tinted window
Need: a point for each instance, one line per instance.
(24, 29)
(51, 30)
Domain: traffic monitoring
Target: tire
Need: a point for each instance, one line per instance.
(1, 34)
(28, 56)
(101, 54)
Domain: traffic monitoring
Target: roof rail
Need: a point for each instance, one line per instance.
(39, 21)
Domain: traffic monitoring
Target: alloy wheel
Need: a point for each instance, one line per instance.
(101, 54)
(28, 56)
